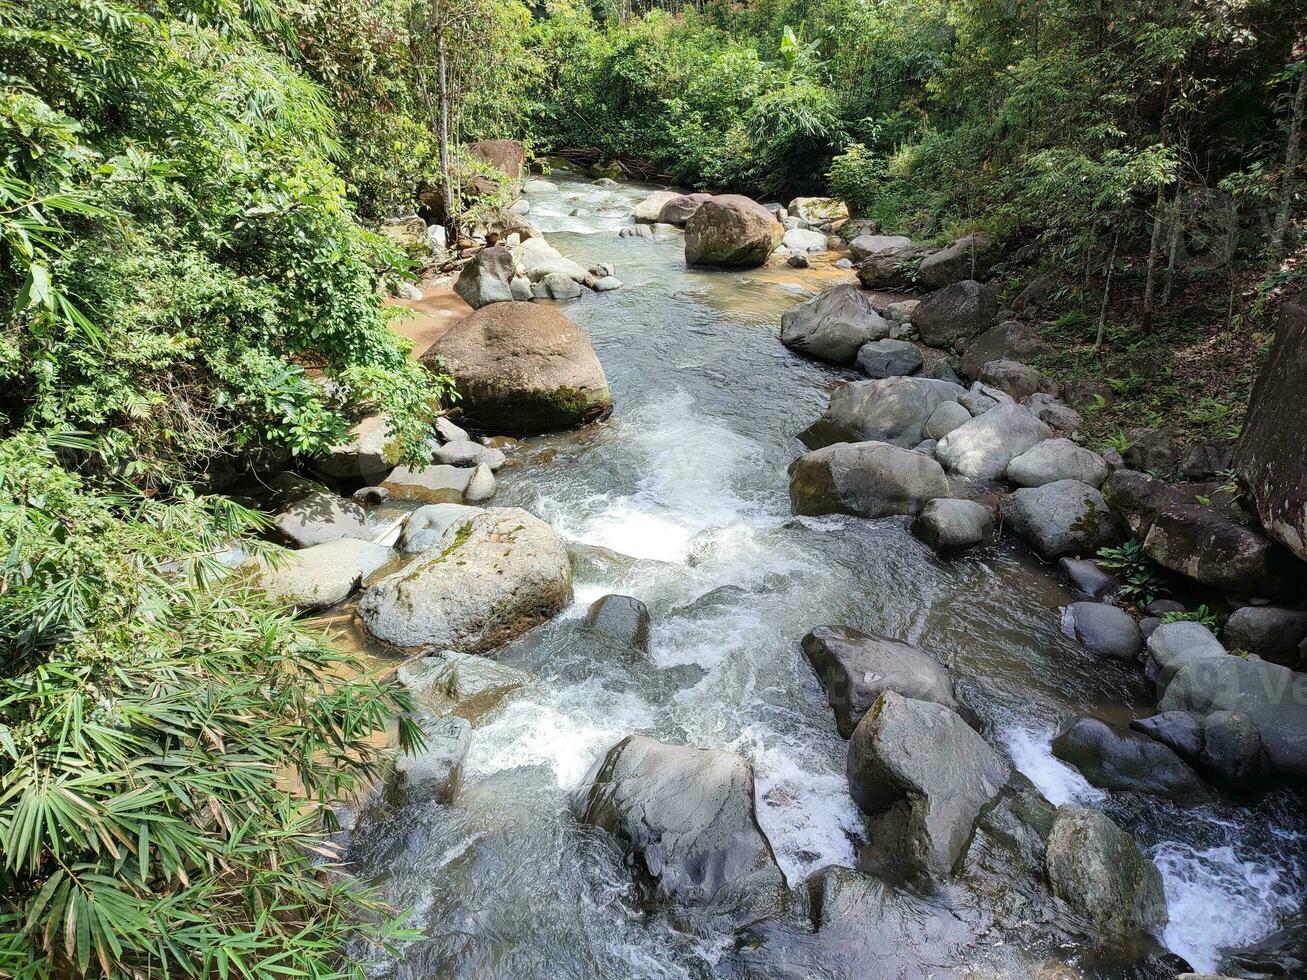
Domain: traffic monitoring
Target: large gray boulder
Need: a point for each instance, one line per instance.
(889, 266)
(1270, 632)
(1057, 459)
(1136, 499)
(677, 209)
(1103, 630)
(982, 448)
(949, 524)
(1275, 474)
(732, 232)
(868, 479)
(1118, 759)
(367, 452)
(650, 209)
(856, 668)
(487, 278)
(686, 818)
(1212, 549)
(1016, 379)
(1010, 340)
(925, 775)
(945, 418)
(463, 684)
(889, 358)
(1054, 411)
(436, 484)
(1173, 645)
(961, 311)
(893, 410)
(1062, 518)
(465, 452)
(1271, 697)
(489, 579)
(833, 325)
(318, 518)
(522, 367)
(426, 526)
(1097, 869)
(970, 257)
(320, 575)
(864, 245)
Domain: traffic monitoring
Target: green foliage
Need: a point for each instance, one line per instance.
(1214, 621)
(187, 267)
(167, 738)
(1142, 579)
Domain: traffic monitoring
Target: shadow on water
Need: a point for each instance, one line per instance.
(680, 499)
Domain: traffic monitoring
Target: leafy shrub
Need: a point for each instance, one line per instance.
(1214, 621)
(218, 297)
(1142, 579)
(167, 737)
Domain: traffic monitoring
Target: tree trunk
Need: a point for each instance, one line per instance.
(445, 162)
(1154, 250)
(1291, 157)
(1174, 247)
(1107, 290)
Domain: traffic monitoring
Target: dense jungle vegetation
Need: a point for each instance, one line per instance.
(193, 281)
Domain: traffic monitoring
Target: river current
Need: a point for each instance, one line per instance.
(680, 499)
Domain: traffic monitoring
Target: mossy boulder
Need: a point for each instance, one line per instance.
(523, 368)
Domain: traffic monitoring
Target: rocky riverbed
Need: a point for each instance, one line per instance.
(703, 699)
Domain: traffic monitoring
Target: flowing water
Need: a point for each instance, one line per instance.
(680, 500)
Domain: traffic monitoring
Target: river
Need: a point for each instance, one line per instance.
(680, 499)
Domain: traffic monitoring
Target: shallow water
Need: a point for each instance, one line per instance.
(686, 484)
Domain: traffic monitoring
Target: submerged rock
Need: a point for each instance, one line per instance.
(867, 479)
(620, 618)
(856, 668)
(686, 818)
(926, 776)
(1097, 869)
(467, 685)
(522, 367)
(489, 579)
(833, 325)
(435, 771)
